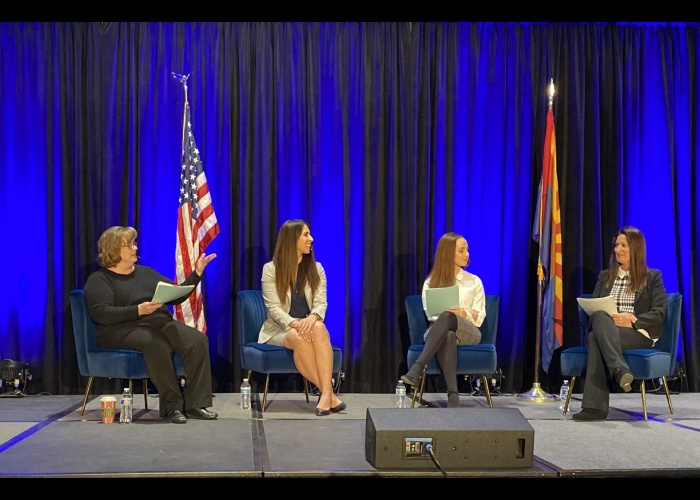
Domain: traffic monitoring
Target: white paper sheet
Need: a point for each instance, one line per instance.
(165, 292)
(438, 300)
(591, 305)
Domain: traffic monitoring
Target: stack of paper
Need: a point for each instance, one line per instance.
(606, 304)
(165, 292)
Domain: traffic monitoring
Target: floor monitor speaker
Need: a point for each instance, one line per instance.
(457, 438)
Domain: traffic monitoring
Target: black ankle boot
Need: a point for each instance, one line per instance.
(414, 374)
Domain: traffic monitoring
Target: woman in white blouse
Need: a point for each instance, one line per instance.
(458, 325)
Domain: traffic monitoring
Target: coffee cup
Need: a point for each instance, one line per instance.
(109, 405)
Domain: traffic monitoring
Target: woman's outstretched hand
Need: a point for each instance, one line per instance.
(202, 262)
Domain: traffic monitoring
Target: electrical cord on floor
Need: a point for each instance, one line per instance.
(679, 376)
(659, 389)
(429, 448)
(495, 388)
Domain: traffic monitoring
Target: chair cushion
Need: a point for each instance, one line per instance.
(648, 363)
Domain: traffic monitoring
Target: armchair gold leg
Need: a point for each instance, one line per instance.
(418, 389)
(421, 384)
(568, 396)
(87, 393)
(414, 396)
(267, 382)
(644, 398)
(485, 380)
(668, 395)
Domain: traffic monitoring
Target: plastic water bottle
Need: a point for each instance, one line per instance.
(563, 393)
(126, 413)
(400, 395)
(245, 395)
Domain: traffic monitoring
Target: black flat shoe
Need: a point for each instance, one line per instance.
(590, 415)
(339, 408)
(202, 413)
(322, 413)
(624, 378)
(176, 417)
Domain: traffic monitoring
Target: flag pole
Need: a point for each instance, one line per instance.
(183, 80)
(536, 394)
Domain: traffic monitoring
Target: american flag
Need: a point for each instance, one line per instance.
(196, 225)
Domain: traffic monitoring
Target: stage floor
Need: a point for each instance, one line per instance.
(45, 436)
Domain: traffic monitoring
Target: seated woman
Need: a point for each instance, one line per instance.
(294, 290)
(459, 325)
(119, 298)
(641, 304)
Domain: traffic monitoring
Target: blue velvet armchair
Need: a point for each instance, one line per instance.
(94, 361)
(267, 358)
(479, 359)
(645, 364)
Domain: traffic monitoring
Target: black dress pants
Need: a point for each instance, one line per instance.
(606, 341)
(157, 340)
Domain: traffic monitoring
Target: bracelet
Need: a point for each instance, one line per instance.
(318, 316)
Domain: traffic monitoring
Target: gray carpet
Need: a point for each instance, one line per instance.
(47, 436)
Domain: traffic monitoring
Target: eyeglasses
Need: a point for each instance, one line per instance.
(130, 245)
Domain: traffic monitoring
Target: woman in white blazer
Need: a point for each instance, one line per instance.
(295, 294)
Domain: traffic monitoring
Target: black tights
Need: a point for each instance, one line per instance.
(442, 340)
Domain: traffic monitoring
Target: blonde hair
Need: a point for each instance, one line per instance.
(110, 244)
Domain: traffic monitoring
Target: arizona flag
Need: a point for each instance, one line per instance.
(196, 225)
(547, 232)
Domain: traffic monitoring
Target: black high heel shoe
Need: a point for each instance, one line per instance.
(414, 375)
(339, 408)
(322, 413)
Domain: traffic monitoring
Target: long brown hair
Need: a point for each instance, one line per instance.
(109, 245)
(638, 259)
(443, 272)
(285, 260)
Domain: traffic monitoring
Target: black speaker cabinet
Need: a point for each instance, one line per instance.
(460, 438)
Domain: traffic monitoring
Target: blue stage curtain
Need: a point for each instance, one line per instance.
(382, 135)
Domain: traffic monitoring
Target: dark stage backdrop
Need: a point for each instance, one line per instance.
(383, 136)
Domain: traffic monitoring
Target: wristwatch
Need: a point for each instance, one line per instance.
(318, 316)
